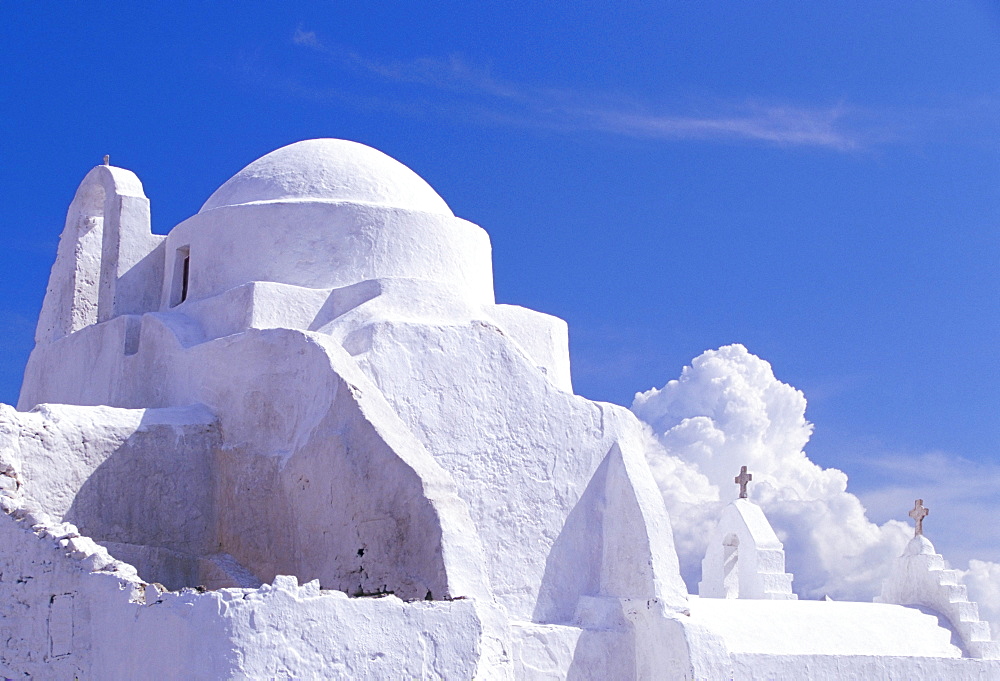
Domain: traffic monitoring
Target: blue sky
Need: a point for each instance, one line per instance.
(820, 182)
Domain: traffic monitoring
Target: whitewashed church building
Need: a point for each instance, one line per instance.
(297, 437)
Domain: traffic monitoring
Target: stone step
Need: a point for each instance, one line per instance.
(957, 593)
(967, 611)
(976, 631)
(949, 577)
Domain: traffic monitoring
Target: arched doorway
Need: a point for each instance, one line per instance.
(730, 566)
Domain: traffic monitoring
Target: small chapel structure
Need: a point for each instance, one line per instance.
(920, 578)
(744, 557)
(297, 437)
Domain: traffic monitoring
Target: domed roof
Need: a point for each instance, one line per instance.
(329, 170)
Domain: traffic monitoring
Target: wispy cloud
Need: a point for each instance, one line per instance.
(781, 125)
(452, 74)
(307, 38)
(478, 93)
(959, 492)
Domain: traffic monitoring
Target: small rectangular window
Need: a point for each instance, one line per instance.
(184, 277)
(181, 283)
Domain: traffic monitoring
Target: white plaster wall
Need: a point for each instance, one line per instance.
(131, 257)
(323, 480)
(348, 310)
(71, 297)
(548, 652)
(89, 367)
(307, 476)
(339, 312)
(544, 338)
(129, 476)
(671, 645)
(257, 305)
(353, 308)
(316, 476)
(59, 619)
(522, 452)
(639, 639)
(328, 245)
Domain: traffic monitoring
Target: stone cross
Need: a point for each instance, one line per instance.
(918, 514)
(742, 479)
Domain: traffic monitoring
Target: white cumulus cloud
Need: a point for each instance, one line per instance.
(728, 410)
(983, 582)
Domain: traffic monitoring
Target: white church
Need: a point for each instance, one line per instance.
(297, 437)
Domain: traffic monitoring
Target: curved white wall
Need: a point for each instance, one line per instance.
(322, 244)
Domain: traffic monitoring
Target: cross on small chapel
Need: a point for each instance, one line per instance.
(742, 479)
(918, 514)
(107, 159)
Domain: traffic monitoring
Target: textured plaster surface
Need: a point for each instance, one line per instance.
(823, 628)
(314, 475)
(63, 600)
(761, 667)
(516, 444)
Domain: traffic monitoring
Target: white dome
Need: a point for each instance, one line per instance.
(329, 170)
